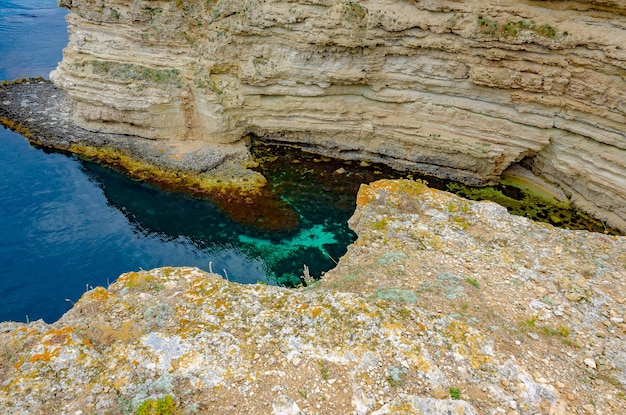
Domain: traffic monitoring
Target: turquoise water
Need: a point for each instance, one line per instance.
(67, 225)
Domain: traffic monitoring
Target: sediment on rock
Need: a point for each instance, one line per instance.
(461, 90)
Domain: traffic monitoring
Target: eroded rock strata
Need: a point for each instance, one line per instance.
(441, 306)
(457, 89)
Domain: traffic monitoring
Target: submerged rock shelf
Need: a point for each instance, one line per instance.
(442, 304)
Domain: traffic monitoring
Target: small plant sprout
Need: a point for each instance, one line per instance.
(455, 393)
(323, 370)
(473, 282)
(307, 277)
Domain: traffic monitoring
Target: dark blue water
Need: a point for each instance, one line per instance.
(68, 225)
(32, 35)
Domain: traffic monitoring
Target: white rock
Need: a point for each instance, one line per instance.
(590, 362)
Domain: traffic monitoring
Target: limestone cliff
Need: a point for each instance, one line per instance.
(455, 89)
(441, 306)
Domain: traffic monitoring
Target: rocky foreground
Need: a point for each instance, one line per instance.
(441, 306)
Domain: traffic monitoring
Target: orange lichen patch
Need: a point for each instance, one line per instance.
(45, 356)
(221, 303)
(58, 336)
(392, 327)
(406, 188)
(367, 193)
(194, 298)
(99, 294)
(316, 311)
(19, 363)
(131, 279)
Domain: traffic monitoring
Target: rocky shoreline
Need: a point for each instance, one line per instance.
(226, 174)
(42, 113)
(457, 90)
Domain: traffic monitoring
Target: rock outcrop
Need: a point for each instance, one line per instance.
(441, 306)
(456, 89)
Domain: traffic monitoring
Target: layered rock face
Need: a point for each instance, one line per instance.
(456, 89)
(442, 306)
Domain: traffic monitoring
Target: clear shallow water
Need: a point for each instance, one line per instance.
(67, 225)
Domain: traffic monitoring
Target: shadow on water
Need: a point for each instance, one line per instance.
(292, 171)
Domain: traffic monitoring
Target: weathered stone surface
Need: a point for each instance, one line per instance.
(439, 298)
(456, 89)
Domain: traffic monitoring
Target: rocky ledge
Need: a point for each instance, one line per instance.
(42, 113)
(457, 89)
(441, 306)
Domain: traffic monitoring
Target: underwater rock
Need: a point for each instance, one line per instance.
(380, 333)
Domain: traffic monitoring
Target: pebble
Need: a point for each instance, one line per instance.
(590, 362)
(589, 408)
